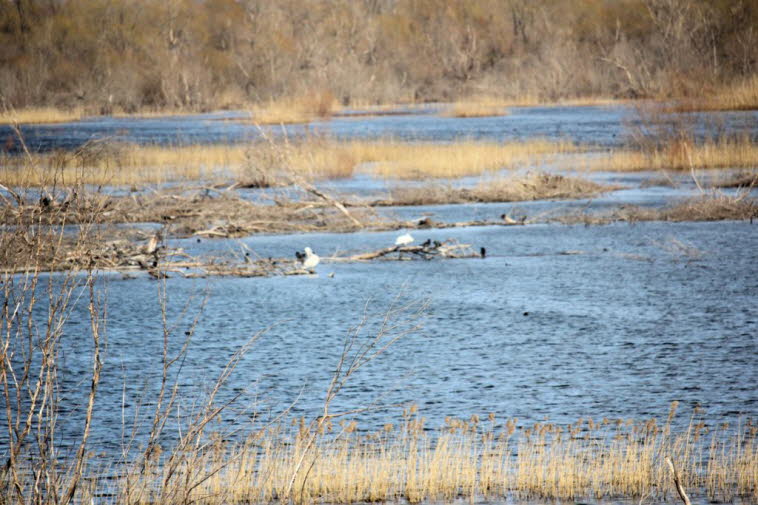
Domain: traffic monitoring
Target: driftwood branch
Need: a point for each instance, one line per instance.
(448, 249)
(310, 188)
(678, 482)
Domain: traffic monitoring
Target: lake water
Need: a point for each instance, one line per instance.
(557, 322)
(604, 127)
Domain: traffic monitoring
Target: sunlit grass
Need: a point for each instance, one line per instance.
(126, 164)
(420, 160)
(476, 458)
(741, 95)
(683, 154)
(296, 109)
(40, 115)
(484, 105)
(477, 107)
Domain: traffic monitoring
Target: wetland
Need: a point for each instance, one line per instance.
(527, 345)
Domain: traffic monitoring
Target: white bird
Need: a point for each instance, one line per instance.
(404, 239)
(311, 259)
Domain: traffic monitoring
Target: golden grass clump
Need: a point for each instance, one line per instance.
(484, 106)
(477, 107)
(475, 458)
(117, 164)
(296, 109)
(39, 115)
(264, 163)
(741, 95)
(683, 154)
(420, 160)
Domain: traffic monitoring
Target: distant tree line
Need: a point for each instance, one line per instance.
(199, 54)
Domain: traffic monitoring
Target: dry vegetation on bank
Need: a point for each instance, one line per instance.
(714, 206)
(421, 160)
(740, 95)
(299, 109)
(113, 55)
(516, 188)
(682, 153)
(270, 163)
(33, 115)
(483, 106)
(473, 459)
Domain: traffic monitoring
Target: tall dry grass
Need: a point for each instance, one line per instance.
(483, 106)
(37, 115)
(264, 163)
(682, 153)
(421, 160)
(476, 458)
(488, 105)
(739, 95)
(295, 109)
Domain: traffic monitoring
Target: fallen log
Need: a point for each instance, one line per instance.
(427, 251)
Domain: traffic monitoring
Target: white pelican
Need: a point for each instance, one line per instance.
(311, 259)
(404, 239)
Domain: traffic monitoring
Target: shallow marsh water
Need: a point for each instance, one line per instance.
(557, 322)
(601, 126)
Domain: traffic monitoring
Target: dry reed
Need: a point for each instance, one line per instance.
(39, 115)
(477, 458)
(297, 109)
(269, 163)
(741, 95)
(483, 106)
(682, 153)
(420, 160)
(478, 107)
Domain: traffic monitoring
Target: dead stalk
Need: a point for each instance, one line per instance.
(678, 482)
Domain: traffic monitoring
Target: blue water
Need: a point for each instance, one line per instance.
(605, 127)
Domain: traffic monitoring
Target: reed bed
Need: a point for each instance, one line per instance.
(39, 115)
(475, 458)
(409, 160)
(477, 107)
(269, 163)
(421, 160)
(296, 109)
(684, 154)
(742, 95)
(484, 106)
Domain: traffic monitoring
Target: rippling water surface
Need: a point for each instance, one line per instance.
(595, 126)
(557, 321)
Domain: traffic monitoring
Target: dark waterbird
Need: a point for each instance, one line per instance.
(483, 252)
